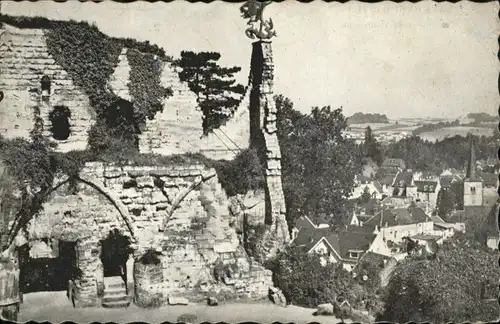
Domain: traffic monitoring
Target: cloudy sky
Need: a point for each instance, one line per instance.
(404, 60)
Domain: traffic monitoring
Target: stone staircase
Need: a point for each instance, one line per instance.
(115, 293)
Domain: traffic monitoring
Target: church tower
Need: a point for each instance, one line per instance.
(473, 184)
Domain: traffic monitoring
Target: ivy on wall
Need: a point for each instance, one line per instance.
(90, 58)
(145, 85)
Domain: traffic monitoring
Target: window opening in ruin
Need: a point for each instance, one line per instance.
(40, 272)
(121, 117)
(1, 96)
(45, 84)
(59, 118)
(115, 251)
(130, 184)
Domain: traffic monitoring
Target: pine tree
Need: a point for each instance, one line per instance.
(217, 92)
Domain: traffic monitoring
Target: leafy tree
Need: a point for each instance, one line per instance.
(305, 281)
(445, 201)
(449, 288)
(457, 193)
(214, 86)
(241, 174)
(366, 196)
(29, 170)
(451, 152)
(371, 147)
(319, 164)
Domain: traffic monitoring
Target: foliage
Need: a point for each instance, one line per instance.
(480, 225)
(432, 127)
(242, 174)
(319, 165)
(482, 118)
(31, 172)
(371, 148)
(366, 196)
(451, 152)
(443, 290)
(445, 201)
(305, 282)
(90, 57)
(44, 23)
(150, 257)
(145, 86)
(213, 85)
(253, 235)
(362, 118)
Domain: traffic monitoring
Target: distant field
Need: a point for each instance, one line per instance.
(382, 127)
(373, 126)
(439, 135)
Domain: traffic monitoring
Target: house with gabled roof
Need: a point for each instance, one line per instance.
(390, 164)
(362, 184)
(302, 222)
(344, 247)
(391, 225)
(425, 191)
(402, 181)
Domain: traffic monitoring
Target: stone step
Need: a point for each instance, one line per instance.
(115, 298)
(114, 282)
(118, 304)
(114, 291)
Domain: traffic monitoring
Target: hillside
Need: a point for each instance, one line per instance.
(363, 118)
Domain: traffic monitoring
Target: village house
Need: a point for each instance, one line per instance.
(446, 180)
(364, 184)
(425, 191)
(402, 180)
(425, 175)
(344, 247)
(391, 225)
(301, 223)
(370, 168)
(445, 229)
(393, 166)
(480, 199)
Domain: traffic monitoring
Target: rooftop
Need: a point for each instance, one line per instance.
(398, 216)
(426, 185)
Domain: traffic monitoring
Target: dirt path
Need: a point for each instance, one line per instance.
(56, 308)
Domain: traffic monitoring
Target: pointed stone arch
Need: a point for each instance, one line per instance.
(95, 184)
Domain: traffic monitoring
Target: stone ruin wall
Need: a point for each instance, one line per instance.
(175, 130)
(24, 59)
(263, 133)
(147, 195)
(178, 128)
(232, 137)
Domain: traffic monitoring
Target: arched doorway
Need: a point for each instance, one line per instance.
(47, 265)
(80, 225)
(115, 252)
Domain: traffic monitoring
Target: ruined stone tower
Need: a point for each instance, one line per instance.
(264, 139)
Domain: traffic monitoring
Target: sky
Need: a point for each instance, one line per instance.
(405, 60)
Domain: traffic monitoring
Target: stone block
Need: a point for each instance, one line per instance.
(178, 301)
(145, 182)
(325, 309)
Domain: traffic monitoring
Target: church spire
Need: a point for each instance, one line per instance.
(471, 173)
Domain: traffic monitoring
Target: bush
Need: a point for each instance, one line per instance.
(150, 257)
(305, 282)
(446, 289)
